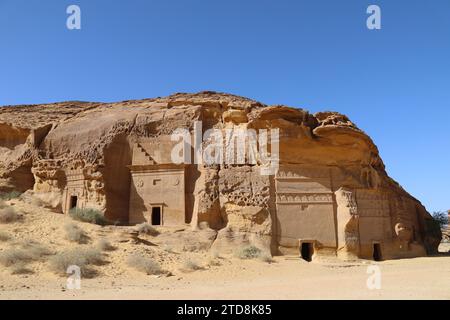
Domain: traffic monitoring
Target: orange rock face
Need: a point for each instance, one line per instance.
(329, 196)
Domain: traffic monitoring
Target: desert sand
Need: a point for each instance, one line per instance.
(217, 277)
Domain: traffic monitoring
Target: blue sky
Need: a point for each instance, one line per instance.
(318, 55)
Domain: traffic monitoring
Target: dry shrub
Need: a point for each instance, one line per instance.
(8, 214)
(89, 215)
(21, 268)
(145, 265)
(215, 254)
(214, 262)
(4, 236)
(168, 248)
(75, 234)
(82, 258)
(191, 265)
(30, 198)
(266, 257)
(26, 253)
(147, 228)
(196, 246)
(35, 249)
(104, 245)
(14, 256)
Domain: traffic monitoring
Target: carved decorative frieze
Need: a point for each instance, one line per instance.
(304, 198)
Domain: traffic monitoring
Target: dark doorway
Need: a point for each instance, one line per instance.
(156, 216)
(377, 252)
(73, 202)
(306, 251)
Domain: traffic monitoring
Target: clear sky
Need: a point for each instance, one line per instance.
(394, 83)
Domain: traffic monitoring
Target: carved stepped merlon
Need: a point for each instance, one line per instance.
(141, 156)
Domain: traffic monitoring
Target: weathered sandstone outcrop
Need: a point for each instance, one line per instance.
(330, 195)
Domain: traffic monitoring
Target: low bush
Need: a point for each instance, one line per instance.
(21, 268)
(168, 248)
(8, 215)
(145, 265)
(191, 265)
(214, 262)
(23, 255)
(35, 249)
(440, 218)
(266, 257)
(4, 236)
(14, 256)
(81, 258)
(147, 228)
(89, 215)
(248, 252)
(5, 196)
(104, 245)
(75, 234)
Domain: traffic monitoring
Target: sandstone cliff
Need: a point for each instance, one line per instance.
(331, 189)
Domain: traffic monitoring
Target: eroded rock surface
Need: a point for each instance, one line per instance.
(330, 195)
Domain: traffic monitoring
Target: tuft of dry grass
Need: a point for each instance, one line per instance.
(104, 245)
(266, 257)
(168, 248)
(89, 215)
(191, 265)
(21, 268)
(214, 259)
(4, 236)
(75, 233)
(18, 258)
(8, 214)
(13, 256)
(144, 264)
(147, 228)
(81, 258)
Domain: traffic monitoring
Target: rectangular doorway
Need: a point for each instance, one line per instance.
(306, 251)
(377, 255)
(73, 202)
(156, 216)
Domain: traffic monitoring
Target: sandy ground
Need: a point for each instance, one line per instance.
(227, 278)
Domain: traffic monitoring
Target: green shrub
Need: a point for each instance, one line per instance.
(441, 218)
(89, 215)
(433, 227)
(5, 196)
(249, 252)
